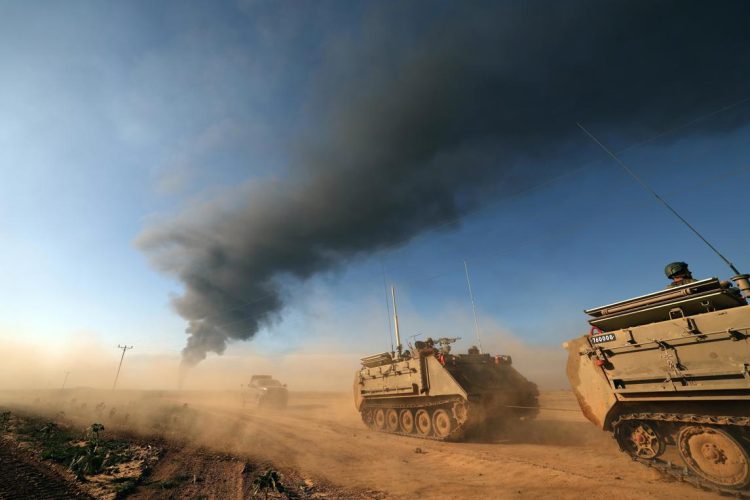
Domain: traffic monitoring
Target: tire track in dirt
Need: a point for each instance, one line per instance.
(566, 463)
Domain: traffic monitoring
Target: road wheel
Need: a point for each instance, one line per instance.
(460, 412)
(379, 419)
(407, 421)
(391, 420)
(442, 423)
(423, 423)
(714, 455)
(640, 439)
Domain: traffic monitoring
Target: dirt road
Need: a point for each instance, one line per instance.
(322, 439)
(560, 455)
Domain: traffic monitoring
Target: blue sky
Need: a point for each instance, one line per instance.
(116, 115)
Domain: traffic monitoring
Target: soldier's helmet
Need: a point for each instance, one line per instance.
(676, 268)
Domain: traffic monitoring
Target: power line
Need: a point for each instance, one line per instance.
(686, 124)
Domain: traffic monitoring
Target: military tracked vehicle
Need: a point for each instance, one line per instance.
(668, 374)
(430, 393)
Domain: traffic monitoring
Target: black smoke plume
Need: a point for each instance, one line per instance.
(431, 109)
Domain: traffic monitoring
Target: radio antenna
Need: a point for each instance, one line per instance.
(658, 198)
(395, 320)
(387, 308)
(473, 308)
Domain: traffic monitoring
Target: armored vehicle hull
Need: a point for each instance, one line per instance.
(441, 396)
(669, 375)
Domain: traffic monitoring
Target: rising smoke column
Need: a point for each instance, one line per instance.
(431, 110)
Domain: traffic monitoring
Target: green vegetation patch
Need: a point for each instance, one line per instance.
(84, 453)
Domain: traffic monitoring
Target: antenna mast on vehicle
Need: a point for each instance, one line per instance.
(473, 308)
(395, 321)
(742, 280)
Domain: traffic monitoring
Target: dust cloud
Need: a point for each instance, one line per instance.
(93, 366)
(320, 433)
(29, 366)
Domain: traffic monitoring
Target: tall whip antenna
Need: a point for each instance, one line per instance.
(395, 320)
(473, 308)
(387, 308)
(659, 198)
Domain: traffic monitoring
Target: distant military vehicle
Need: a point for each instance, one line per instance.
(435, 394)
(668, 374)
(264, 391)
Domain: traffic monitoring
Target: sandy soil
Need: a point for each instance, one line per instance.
(321, 438)
(560, 455)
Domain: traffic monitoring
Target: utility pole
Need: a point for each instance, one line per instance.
(124, 348)
(65, 380)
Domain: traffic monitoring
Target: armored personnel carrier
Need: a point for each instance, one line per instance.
(434, 394)
(668, 374)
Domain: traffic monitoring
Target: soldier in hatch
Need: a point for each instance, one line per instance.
(679, 273)
(425, 348)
